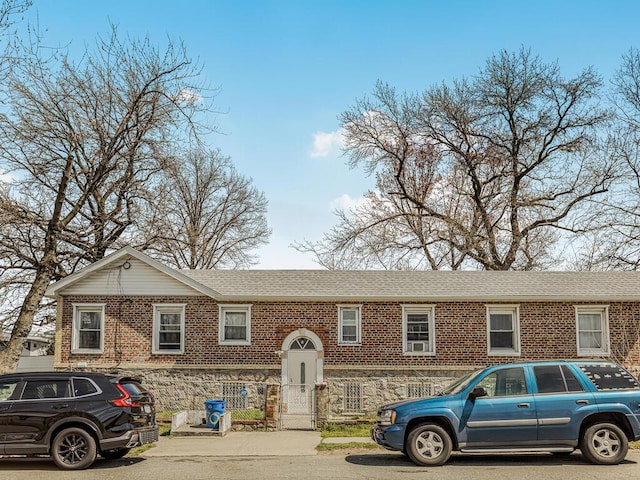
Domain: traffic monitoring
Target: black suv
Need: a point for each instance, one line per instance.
(74, 416)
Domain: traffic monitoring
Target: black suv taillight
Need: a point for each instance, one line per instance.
(126, 400)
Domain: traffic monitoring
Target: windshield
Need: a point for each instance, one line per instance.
(461, 383)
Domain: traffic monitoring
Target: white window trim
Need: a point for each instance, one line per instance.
(222, 308)
(173, 308)
(429, 309)
(358, 309)
(75, 327)
(605, 350)
(515, 311)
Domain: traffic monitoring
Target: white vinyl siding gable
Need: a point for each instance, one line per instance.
(234, 325)
(418, 329)
(168, 328)
(592, 330)
(133, 277)
(503, 330)
(349, 321)
(87, 333)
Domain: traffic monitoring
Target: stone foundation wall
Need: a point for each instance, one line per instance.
(360, 393)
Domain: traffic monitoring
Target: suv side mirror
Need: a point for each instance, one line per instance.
(477, 392)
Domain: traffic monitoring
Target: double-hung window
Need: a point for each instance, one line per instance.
(235, 325)
(592, 329)
(418, 329)
(349, 324)
(168, 328)
(503, 330)
(87, 334)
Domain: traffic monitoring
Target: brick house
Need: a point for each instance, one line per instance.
(355, 338)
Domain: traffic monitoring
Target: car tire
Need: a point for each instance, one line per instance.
(604, 444)
(73, 449)
(429, 444)
(114, 454)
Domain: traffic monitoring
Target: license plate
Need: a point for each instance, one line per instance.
(146, 408)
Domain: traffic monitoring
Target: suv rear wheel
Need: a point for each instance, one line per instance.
(604, 444)
(73, 449)
(429, 444)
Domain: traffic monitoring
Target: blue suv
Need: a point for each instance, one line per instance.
(522, 407)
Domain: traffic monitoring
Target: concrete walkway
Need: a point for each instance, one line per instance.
(245, 444)
(239, 444)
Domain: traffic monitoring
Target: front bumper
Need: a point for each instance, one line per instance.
(391, 437)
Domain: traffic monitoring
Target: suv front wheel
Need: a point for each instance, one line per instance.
(604, 444)
(429, 444)
(73, 449)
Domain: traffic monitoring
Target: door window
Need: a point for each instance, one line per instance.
(302, 343)
(43, 389)
(8, 390)
(556, 379)
(505, 382)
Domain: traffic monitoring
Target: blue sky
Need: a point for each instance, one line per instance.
(287, 69)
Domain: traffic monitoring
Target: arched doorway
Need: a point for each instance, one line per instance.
(302, 360)
(302, 363)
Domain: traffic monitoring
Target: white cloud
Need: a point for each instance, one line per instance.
(347, 202)
(327, 143)
(7, 177)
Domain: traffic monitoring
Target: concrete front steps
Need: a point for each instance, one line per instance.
(192, 423)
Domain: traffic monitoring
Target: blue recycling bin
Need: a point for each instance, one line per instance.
(214, 410)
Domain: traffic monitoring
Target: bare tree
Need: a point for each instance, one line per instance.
(388, 231)
(210, 215)
(617, 245)
(9, 10)
(513, 156)
(82, 142)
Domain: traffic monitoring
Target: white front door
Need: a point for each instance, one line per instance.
(301, 381)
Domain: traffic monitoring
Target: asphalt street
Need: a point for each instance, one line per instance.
(345, 465)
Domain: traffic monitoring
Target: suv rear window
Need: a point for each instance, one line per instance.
(133, 387)
(609, 377)
(83, 386)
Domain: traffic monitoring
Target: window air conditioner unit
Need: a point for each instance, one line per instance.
(417, 346)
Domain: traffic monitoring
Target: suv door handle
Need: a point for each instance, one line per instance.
(524, 405)
(582, 402)
(60, 406)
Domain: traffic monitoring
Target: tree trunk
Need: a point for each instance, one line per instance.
(10, 356)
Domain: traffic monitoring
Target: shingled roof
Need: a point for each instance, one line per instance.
(486, 286)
